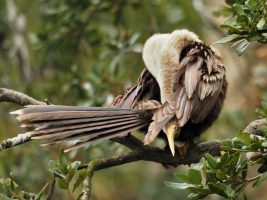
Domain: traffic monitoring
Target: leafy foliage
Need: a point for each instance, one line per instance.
(248, 23)
(227, 176)
(68, 176)
(11, 190)
(84, 52)
(80, 53)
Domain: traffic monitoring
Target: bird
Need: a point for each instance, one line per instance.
(178, 95)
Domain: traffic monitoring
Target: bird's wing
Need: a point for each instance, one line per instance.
(201, 87)
(194, 94)
(146, 88)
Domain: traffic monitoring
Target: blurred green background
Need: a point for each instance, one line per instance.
(85, 52)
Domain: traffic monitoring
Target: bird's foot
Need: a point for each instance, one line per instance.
(182, 149)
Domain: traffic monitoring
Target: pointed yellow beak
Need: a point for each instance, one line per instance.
(172, 131)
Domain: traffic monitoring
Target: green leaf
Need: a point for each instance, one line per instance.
(82, 175)
(63, 162)
(62, 184)
(260, 112)
(242, 20)
(243, 168)
(237, 144)
(224, 158)
(196, 196)
(233, 162)
(199, 190)
(182, 177)
(244, 137)
(230, 28)
(217, 189)
(220, 174)
(253, 4)
(72, 169)
(210, 175)
(242, 47)
(239, 9)
(227, 143)
(194, 176)
(62, 157)
(230, 191)
(4, 197)
(200, 164)
(211, 161)
(261, 24)
(260, 179)
(180, 186)
(229, 38)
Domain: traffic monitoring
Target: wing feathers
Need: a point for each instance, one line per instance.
(192, 76)
(160, 118)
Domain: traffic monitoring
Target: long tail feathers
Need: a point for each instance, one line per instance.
(59, 124)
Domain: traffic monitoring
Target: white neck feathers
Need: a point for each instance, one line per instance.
(161, 54)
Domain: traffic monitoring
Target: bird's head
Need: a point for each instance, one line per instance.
(161, 54)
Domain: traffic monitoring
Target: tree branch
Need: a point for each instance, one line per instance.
(139, 151)
(51, 188)
(155, 154)
(7, 95)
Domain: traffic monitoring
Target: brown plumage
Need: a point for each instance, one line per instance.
(180, 94)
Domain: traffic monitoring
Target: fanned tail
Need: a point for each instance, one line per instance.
(91, 125)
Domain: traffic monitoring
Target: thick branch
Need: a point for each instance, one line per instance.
(139, 151)
(154, 154)
(129, 141)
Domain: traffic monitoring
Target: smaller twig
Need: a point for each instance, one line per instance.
(51, 188)
(19, 139)
(245, 183)
(86, 191)
(253, 178)
(7, 95)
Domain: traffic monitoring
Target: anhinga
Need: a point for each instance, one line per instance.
(180, 93)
